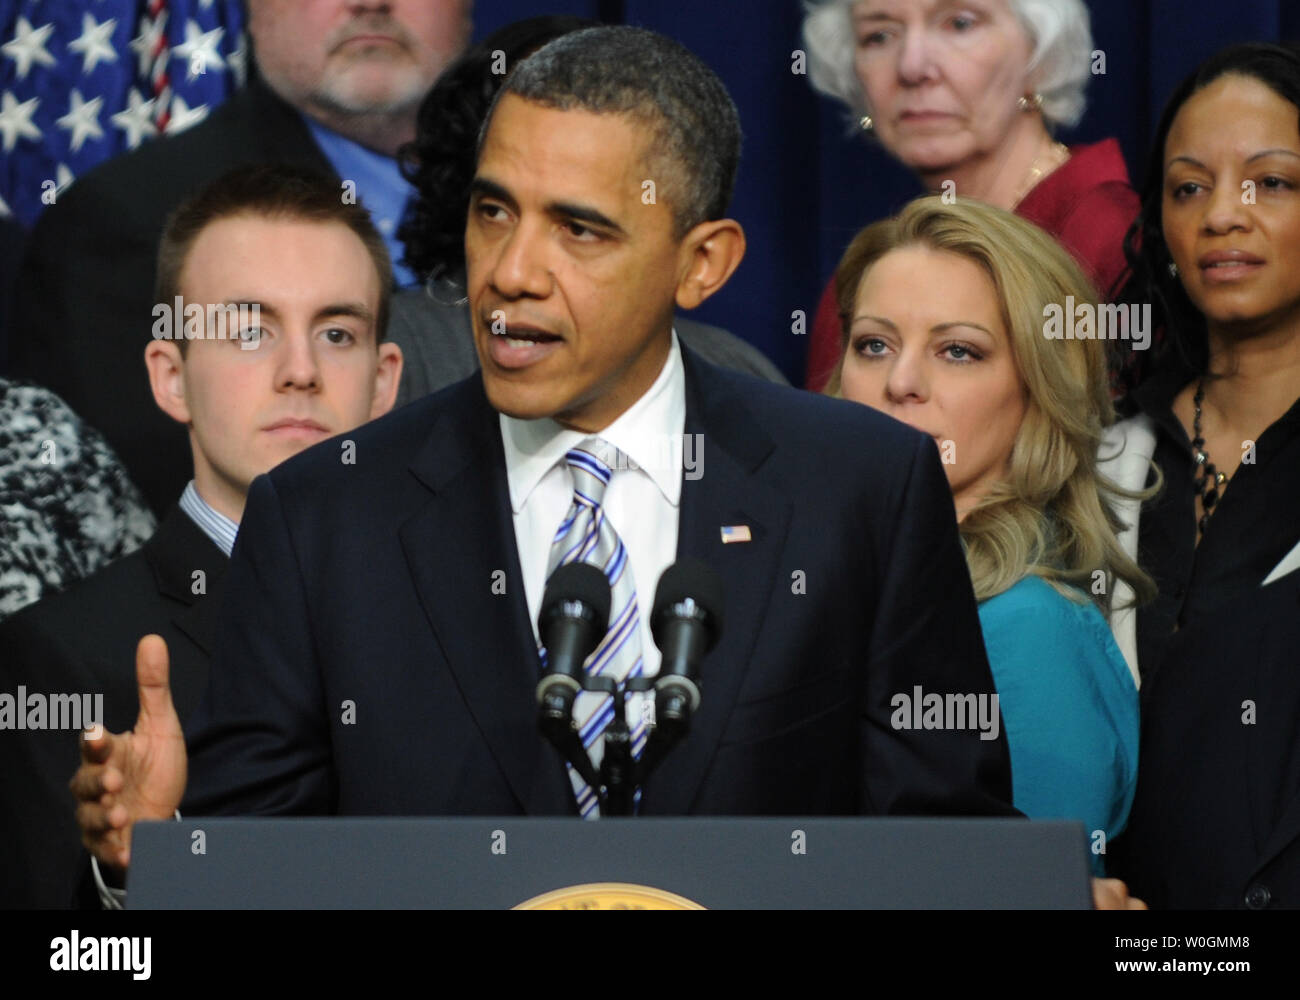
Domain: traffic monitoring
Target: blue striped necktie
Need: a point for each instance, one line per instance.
(586, 535)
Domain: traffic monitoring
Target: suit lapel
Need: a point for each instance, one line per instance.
(178, 550)
(728, 491)
(467, 527)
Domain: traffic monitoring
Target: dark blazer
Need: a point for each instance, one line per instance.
(366, 664)
(85, 296)
(433, 330)
(83, 641)
(1221, 828)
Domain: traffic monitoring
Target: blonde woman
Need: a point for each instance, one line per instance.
(945, 328)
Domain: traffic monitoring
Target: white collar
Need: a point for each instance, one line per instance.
(649, 433)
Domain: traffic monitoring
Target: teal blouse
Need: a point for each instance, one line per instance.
(1069, 708)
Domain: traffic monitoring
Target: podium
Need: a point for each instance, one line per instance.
(784, 863)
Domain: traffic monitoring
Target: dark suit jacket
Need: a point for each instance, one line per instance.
(83, 641)
(365, 665)
(85, 294)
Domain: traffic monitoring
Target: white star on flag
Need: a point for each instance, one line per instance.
(143, 44)
(28, 46)
(136, 119)
(118, 55)
(82, 120)
(16, 120)
(183, 116)
(94, 43)
(199, 49)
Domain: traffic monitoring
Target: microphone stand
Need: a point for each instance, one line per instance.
(617, 768)
(620, 775)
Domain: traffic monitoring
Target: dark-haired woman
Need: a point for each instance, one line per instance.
(1216, 819)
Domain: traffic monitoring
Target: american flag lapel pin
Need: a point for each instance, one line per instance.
(735, 533)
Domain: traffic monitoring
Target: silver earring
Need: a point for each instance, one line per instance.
(866, 123)
(1173, 269)
(1034, 103)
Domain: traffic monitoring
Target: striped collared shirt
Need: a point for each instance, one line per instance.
(218, 527)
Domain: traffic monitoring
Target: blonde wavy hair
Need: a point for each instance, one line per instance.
(1050, 516)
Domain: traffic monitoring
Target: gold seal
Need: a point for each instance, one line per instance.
(609, 896)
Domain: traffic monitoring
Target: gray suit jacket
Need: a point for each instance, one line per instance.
(435, 338)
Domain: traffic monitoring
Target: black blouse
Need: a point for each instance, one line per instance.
(1216, 818)
(1254, 525)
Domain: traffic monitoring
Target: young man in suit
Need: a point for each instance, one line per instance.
(311, 364)
(392, 666)
(336, 88)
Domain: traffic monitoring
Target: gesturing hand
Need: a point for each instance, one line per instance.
(131, 776)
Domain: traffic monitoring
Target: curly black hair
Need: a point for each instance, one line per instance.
(441, 160)
(1186, 338)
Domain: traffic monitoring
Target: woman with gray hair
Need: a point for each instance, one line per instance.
(967, 96)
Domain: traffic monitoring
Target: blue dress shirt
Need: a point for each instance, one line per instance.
(380, 186)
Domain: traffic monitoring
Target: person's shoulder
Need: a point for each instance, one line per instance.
(69, 505)
(431, 325)
(1032, 617)
(724, 348)
(1102, 161)
(1095, 188)
(1035, 621)
(93, 604)
(1033, 597)
(70, 465)
(1088, 202)
(1104, 209)
(234, 115)
(23, 403)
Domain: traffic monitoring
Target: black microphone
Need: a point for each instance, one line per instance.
(573, 619)
(686, 623)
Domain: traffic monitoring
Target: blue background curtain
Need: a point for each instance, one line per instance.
(805, 185)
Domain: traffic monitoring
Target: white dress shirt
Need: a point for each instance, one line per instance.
(641, 502)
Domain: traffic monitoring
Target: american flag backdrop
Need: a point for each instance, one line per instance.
(84, 80)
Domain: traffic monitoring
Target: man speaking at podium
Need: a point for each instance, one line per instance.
(377, 652)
